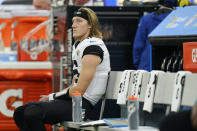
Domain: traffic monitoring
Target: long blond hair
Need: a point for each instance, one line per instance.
(93, 22)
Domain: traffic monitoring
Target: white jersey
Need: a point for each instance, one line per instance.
(98, 84)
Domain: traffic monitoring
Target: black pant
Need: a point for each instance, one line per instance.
(180, 121)
(33, 115)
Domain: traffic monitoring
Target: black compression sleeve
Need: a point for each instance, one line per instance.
(63, 97)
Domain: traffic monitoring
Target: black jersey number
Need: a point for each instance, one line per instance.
(75, 71)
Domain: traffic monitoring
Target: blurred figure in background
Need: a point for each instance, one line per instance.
(187, 2)
(193, 2)
(194, 116)
(42, 4)
(142, 50)
(80, 2)
(180, 121)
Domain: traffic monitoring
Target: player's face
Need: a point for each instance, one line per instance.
(81, 28)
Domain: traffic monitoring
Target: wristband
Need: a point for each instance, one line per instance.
(51, 96)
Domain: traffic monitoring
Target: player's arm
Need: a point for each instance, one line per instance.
(92, 57)
(89, 64)
(57, 94)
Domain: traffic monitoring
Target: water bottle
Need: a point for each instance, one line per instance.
(133, 114)
(76, 107)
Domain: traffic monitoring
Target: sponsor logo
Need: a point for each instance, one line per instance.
(9, 100)
(92, 41)
(194, 55)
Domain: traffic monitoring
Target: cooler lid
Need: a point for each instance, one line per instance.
(4, 15)
(16, 7)
(26, 13)
(25, 65)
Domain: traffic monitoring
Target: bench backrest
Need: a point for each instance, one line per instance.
(111, 89)
(163, 92)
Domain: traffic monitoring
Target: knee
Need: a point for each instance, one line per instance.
(33, 112)
(18, 112)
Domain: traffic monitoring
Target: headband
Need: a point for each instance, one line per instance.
(82, 15)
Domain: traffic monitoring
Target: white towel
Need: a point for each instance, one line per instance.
(150, 91)
(124, 83)
(137, 83)
(178, 89)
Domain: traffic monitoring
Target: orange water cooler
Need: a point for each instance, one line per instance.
(22, 82)
(36, 46)
(190, 56)
(5, 30)
(8, 50)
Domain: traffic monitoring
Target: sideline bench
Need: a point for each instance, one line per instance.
(163, 95)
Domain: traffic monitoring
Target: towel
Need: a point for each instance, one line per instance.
(136, 83)
(178, 89)
(124, 83)
(150, 91)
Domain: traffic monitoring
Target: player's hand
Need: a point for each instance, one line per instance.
(44, 98)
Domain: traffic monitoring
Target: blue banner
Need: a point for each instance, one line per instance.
(180, 22)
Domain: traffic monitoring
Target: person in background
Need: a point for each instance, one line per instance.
(42, 4)
(194, 116)
(193, 2)
(180, 121)
(142, 51)
(91, 66)
(183, 2)
(80, 2)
